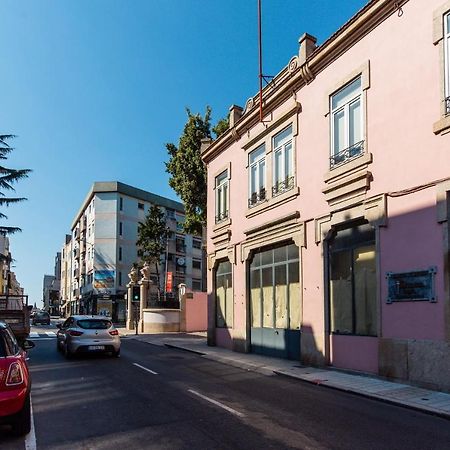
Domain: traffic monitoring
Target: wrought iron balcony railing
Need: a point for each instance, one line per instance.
(257, 197)
(282, 186)
(348, 153)
(222, 216)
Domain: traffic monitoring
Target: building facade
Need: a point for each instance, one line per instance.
(339, 253)
(103, 249)
(66, 276)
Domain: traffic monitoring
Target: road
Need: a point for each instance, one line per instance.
(158, 398)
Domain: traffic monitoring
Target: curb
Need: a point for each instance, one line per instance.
(375, 397)
(176, 347)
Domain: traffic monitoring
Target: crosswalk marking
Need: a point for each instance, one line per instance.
(42, 336)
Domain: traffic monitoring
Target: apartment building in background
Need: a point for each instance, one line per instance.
(103, 249)
(338, 254)
(66, 275)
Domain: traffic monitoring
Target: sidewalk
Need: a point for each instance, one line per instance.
(433, 402)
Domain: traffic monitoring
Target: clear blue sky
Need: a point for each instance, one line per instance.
(94, 88)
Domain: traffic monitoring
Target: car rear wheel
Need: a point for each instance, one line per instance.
(21, 423)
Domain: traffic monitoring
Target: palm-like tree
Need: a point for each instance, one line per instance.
(7, 179)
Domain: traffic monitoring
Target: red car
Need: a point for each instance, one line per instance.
(15, 382)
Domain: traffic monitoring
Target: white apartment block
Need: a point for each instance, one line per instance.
(103, 249)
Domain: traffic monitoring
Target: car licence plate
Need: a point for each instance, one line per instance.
(96, 347)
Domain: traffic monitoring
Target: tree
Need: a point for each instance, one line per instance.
(188, 173)
(221, 126)
(152, 237)
(7, 179)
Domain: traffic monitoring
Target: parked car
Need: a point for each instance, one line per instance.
(15, 382)
(41, 317)
(87, 334)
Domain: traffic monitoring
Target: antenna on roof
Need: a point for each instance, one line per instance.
(262, 77)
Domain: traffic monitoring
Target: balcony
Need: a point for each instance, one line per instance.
(221, 216)
(282, 186)
(76, 273)
(76, 253)
(257, 197)
(347, 154)
(447, 106)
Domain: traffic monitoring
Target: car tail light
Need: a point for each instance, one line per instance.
(15, 375)
(75, 333)
(114, 333)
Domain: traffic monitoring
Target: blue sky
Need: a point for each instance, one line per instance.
(95, 88)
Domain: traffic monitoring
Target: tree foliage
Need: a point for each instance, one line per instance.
(8, 177)
(221, 126)
(186, 168)
(152, 237)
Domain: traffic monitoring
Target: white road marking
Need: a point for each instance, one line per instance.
(34, 335)
(30, 439)
(50, 333)
(145, 368)
(215, 402)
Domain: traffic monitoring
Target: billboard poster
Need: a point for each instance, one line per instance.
(169, 281)
(104, 279)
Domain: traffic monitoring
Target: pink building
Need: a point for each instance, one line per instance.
(328, 223)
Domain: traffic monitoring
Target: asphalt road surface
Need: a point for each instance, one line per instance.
(158, 398)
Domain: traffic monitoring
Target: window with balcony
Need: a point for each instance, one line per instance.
(257, 176)
(221, 187)
(346, 123)
(283, 162)
(196, 243)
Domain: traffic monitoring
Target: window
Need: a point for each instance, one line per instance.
(222, 196)
(447, 61)
(224, 294)
(180, 244)
(257, 176)
(120, 228)
(283, 162)
(353, 283)
(170, 213)
(346, 123)
(196, 243)
(196, 264)
(120, 278)
(120, 204)
(140, 206)
(196, 285)
(120, 253)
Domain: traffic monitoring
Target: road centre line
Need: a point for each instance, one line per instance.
(30, 439)
(145, 368)
(215, 402)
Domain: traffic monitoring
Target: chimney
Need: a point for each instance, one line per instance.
(235, 114)
(206, 142)
(307, 46)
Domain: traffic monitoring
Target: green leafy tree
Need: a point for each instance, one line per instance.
(221, 126)
(186, 168)
(152, 237)
(8, 177)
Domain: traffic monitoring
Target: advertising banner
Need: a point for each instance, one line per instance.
(169, 281)
(104, 307)
(104, 279)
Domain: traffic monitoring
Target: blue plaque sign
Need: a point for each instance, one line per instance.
(411, 286)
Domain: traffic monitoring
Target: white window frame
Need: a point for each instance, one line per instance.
(447, 63)
(285, 178)
(258, 163)
(346, 109)
(222, 192)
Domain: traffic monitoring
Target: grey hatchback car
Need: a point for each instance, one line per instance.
(87, 334)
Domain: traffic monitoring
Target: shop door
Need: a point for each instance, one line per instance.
(275, 302)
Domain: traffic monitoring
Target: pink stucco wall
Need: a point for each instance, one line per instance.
(402, 104)
(413, 241)
(354, 352)
(197, 312)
